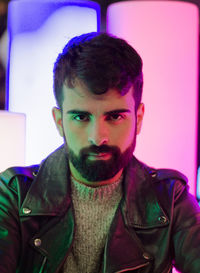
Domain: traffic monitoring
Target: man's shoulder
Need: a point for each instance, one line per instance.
(166, 181)
(17, 180)
(27, 172)
(163, 174)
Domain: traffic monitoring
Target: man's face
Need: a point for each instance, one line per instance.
(99, 131)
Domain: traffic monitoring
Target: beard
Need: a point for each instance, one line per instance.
(100, 170)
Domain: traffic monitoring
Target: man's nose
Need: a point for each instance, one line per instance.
(98, 134)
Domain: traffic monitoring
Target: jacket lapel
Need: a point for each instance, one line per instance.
(139, 209)
(50, 191)
(123, 250)
(49, 200)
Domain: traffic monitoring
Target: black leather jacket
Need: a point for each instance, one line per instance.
(157, 222)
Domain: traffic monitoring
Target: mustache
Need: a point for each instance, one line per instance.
(99, 149)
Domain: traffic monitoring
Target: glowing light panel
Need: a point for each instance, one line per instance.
(12, 144)
(38, 32)
(198, 185)
(165, 34)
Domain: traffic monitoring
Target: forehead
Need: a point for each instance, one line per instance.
(81, 98)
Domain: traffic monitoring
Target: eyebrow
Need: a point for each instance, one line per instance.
(117, 111)
(78, 112)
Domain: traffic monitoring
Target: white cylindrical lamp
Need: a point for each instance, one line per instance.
(165, 34)
(12, 140)
(38, 32)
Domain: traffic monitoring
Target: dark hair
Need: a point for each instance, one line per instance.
(100, 61)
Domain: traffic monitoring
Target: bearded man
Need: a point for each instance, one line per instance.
(91, 206)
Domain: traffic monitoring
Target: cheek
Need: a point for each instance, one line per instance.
(125, 135)
(74, 137)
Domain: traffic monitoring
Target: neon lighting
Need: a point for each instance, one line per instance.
(198, 185)
(12, 144)
(38, 32)
(165, 33)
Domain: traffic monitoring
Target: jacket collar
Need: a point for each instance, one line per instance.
(50, 192)
(141, 206)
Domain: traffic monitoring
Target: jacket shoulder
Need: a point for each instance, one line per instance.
(163, 174)
(8, 175)
(169, 184)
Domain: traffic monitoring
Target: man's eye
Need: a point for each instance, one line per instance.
(115, 117)
(81, 117)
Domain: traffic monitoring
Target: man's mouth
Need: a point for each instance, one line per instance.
(99, 156)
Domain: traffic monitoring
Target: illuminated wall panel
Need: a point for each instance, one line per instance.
(165, 33)
(38, 32)
(198, 184)
(12, 144)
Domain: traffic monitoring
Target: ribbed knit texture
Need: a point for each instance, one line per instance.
(94, 211)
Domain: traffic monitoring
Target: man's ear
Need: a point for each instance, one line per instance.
(139, 115)
(57, 116)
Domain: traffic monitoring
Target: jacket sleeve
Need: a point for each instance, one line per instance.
(186, 230)
(9, 228)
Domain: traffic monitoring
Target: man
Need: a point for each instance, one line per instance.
(91, 206)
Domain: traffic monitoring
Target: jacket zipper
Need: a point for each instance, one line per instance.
(139, 266)
(43, 264)
(170, 269)
(70, 248)
(132, 268)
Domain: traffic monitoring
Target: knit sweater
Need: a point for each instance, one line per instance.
(94, 209)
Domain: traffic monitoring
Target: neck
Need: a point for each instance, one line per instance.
(82, 180)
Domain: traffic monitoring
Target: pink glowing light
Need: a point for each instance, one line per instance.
(165, 33)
